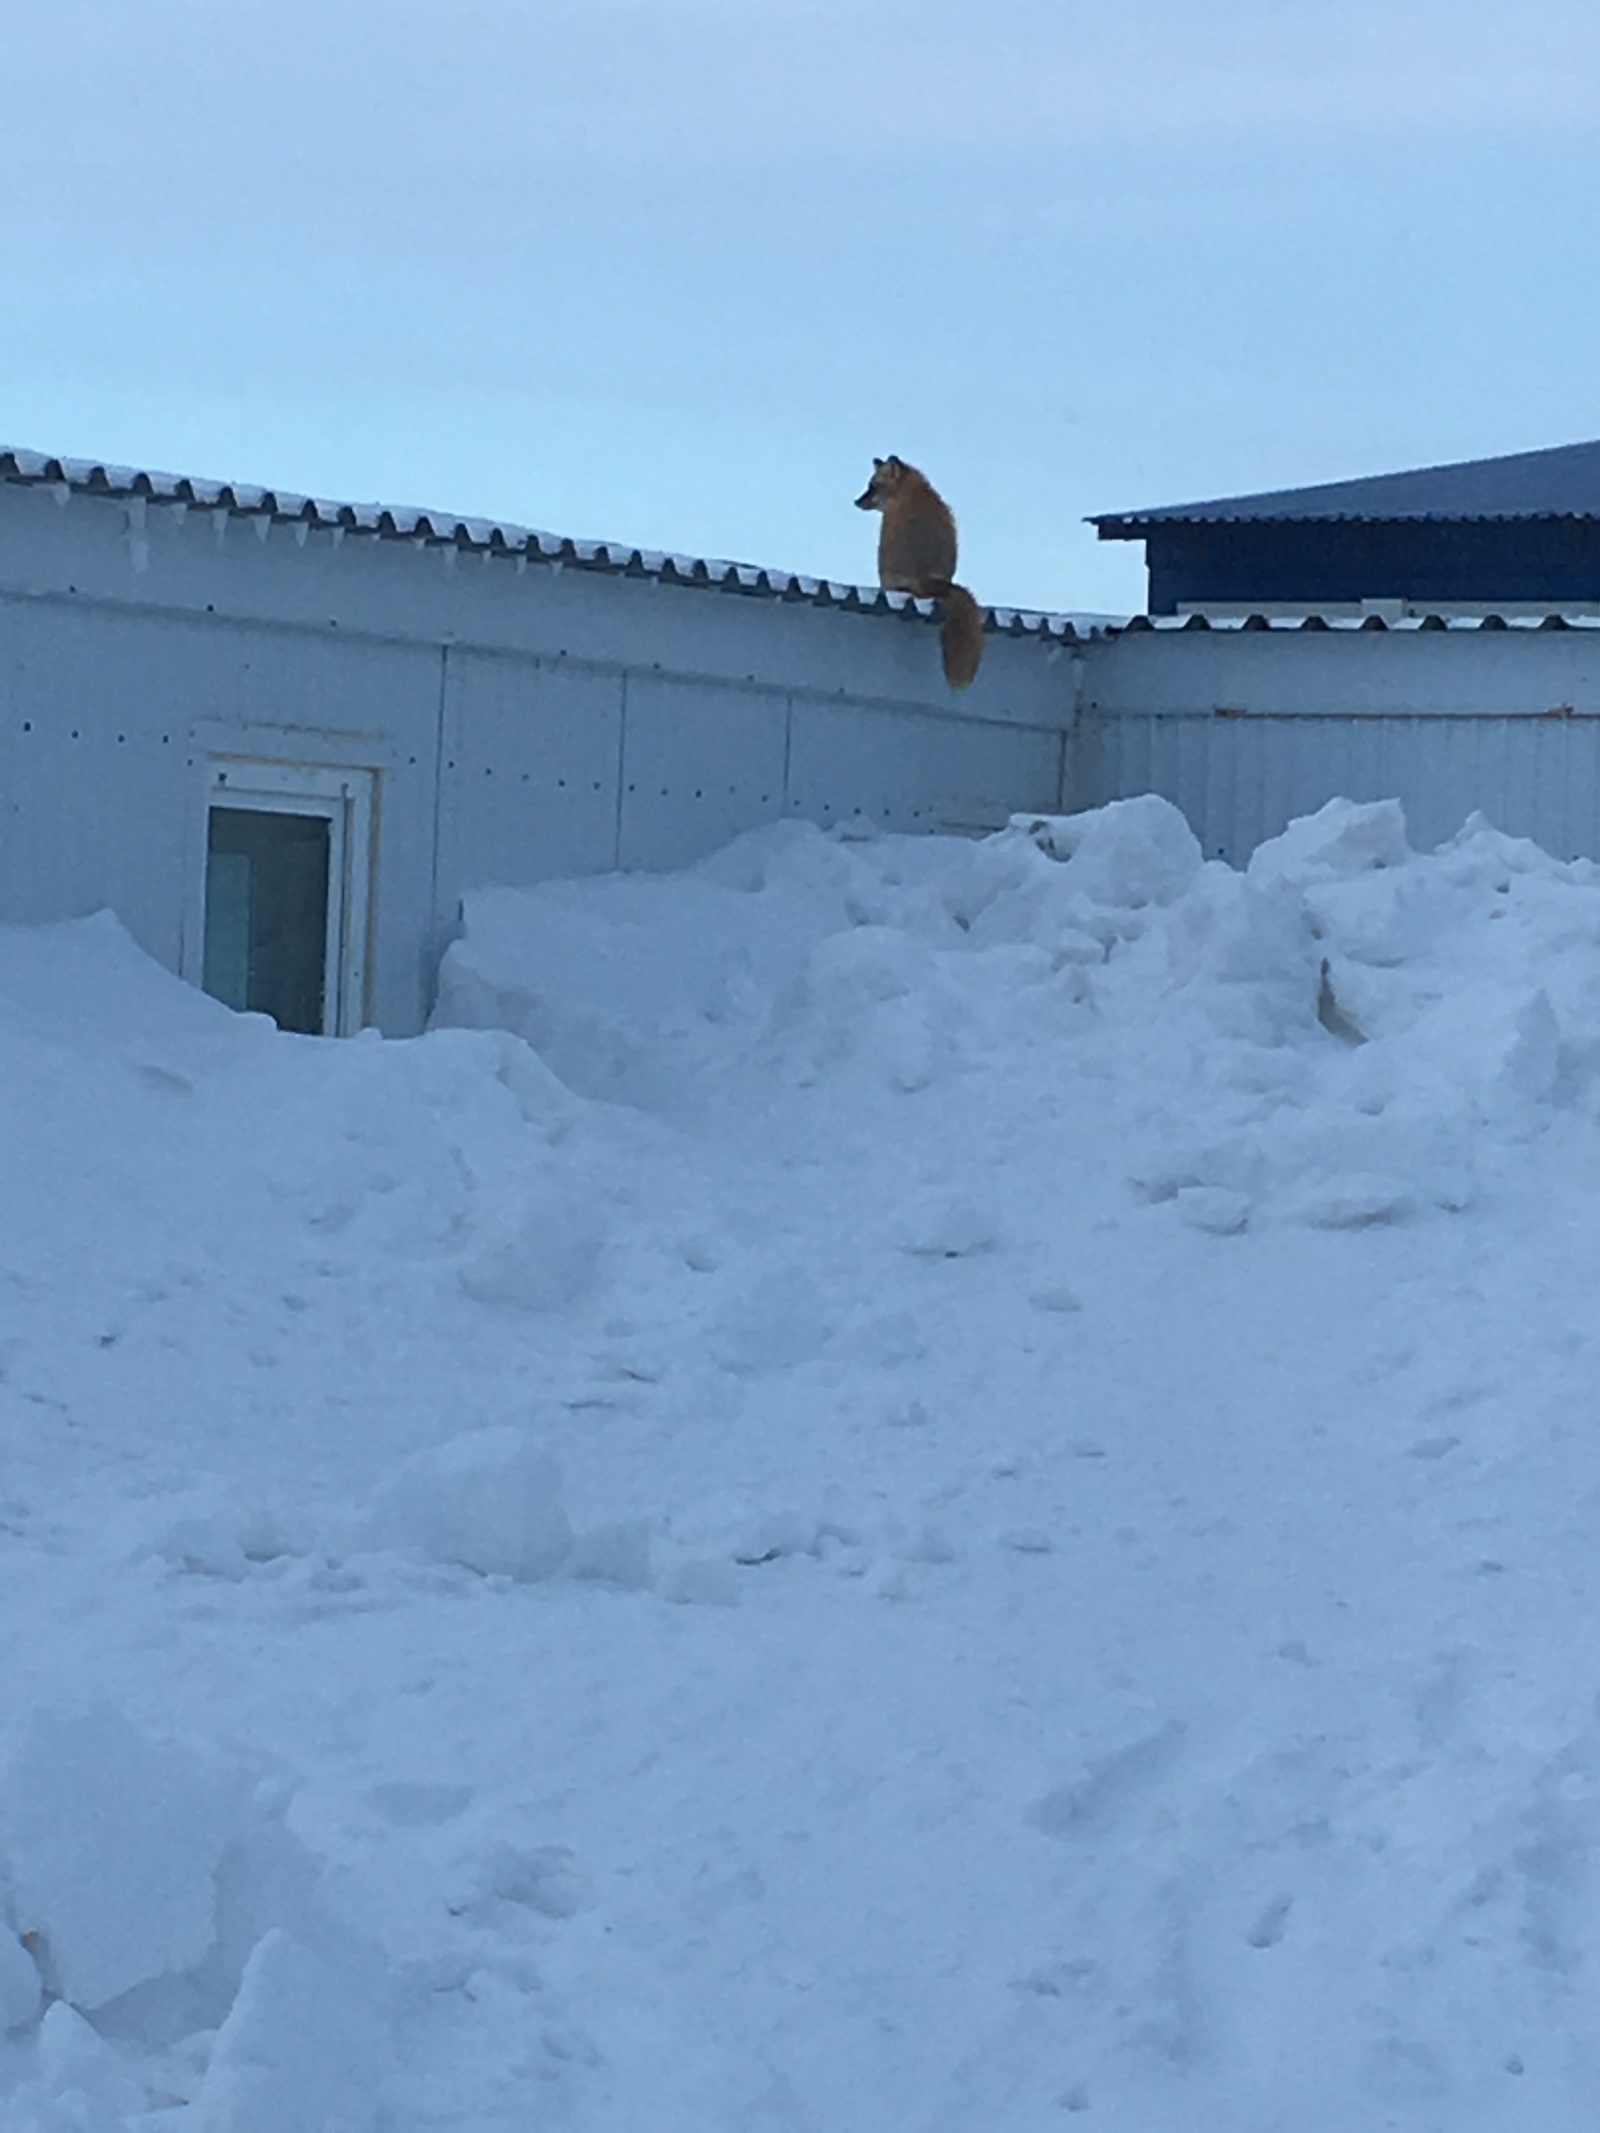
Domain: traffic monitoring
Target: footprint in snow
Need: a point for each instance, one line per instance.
(1108, 1786)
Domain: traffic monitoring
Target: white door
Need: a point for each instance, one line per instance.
(279, 906)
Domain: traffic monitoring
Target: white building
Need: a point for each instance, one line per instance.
(280, 738)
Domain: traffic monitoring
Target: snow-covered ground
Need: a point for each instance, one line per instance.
(902, 1487)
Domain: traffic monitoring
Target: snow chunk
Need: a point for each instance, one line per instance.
(1344, 837)
(1127, 854)
(219, 1535)
(1213, 1208)
(114, 1840)
(490, 1500)
(300, 2052)
(1499, 1043)
(21, 1987)
(543, 1100)
(548, 1878)
(547, 1262)
(1253, 945)
(615, 983)
(76, 2059)
(873, 994)
(1357, 1202)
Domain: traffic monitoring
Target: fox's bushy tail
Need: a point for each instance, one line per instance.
(961, 638)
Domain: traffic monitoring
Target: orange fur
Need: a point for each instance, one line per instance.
(917, 554)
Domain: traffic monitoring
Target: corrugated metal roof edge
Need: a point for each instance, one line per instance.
(1115, 525)
(1138, 625)
(495, 537)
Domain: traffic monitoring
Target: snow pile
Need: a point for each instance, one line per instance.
(490, 1500)
(1328, 1036)
(114, 1844)
(296, 2054)
(145, 1883)
(916, 1483)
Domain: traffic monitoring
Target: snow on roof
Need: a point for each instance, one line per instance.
(492, 536)
(1563, 482)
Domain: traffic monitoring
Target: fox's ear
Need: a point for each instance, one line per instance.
(877, 462)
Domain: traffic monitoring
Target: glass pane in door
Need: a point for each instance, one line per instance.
(266, 937)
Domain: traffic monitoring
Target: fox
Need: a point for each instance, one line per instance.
(917, 554)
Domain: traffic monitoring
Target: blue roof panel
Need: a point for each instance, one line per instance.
(1563, 482)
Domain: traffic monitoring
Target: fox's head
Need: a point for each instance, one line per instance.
(887, 475)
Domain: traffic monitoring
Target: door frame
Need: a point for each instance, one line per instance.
(346, 800)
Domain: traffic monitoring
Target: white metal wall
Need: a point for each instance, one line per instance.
(520, 722)
(549, 768)
(108, 717)
(700, 761)
(1246, 729)
(527, 771)
(523, 722)
(905, 771)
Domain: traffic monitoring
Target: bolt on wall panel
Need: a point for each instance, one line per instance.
(94, 759)
(905, 771)
(701, 762)
(527, 772)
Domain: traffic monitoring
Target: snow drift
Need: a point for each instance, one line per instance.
(889, 1483)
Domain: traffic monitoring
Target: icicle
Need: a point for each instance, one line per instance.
(134, 527)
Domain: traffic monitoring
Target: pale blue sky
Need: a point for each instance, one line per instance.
(671, 271)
